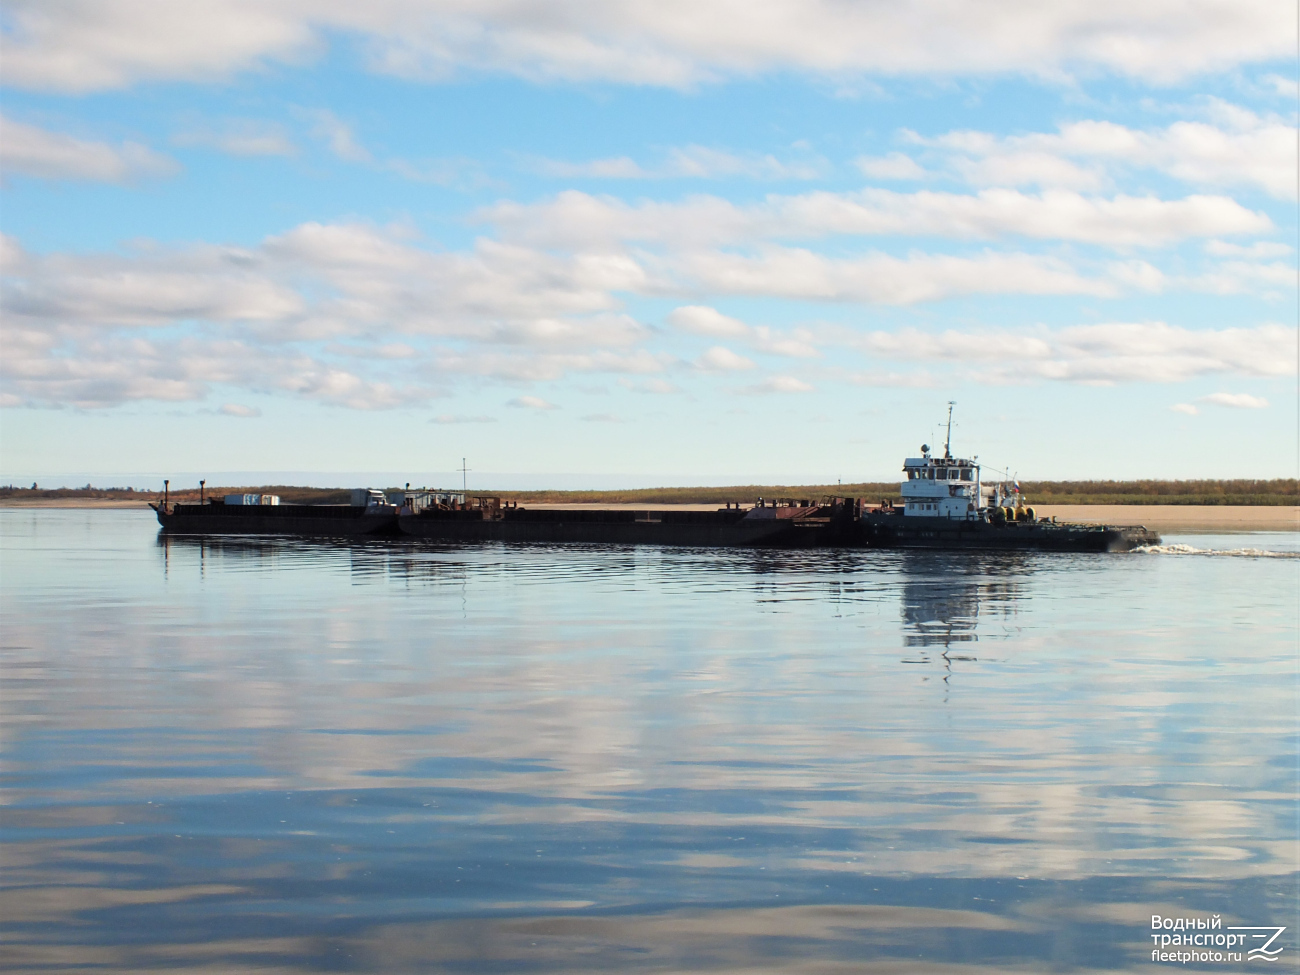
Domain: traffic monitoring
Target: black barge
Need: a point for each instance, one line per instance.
(265, 515)
(785, 524)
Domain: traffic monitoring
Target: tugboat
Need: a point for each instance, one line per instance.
(944, 506)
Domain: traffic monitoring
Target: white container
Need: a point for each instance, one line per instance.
(270, 499)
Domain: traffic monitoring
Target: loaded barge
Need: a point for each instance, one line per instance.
(252, 514)
(944, 505)
(775, 524)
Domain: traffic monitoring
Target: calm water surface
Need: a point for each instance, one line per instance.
(281, 755)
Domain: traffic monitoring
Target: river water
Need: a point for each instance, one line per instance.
(286, 755)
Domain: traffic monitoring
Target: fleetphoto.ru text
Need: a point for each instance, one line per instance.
(1184, 940)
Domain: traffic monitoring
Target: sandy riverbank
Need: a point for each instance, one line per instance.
(1180, 517)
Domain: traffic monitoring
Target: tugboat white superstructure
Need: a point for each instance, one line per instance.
(942, 487)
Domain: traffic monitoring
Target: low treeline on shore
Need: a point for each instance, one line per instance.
(1279, 491)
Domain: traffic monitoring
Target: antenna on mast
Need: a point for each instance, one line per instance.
(947, 443)
(464, 476)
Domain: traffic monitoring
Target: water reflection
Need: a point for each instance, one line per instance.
(396, 756)
(942, 594)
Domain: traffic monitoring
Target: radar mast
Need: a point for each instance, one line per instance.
(947, 442)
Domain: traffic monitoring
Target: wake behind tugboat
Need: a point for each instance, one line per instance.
(944, 505)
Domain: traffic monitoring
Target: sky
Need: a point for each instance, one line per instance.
(646, 242)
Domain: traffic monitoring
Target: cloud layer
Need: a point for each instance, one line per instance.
(577, 219)
(358, 316)
(87, 45)
(1232, 146)
(43, 154)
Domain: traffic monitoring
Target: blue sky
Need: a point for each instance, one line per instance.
(647, 241)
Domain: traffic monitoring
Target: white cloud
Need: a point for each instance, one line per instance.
(720, 359)
(239, 137)
(86, 45)
(1187, 408)
(548, 367)
(455, 171)
(386, 350)
(879, 278)
(702, 320)
(688, 162)
(1286, 87)
(531, 403)
(1257, 251)
(796, 345)
(235, 409)
(1107, 353)
(1236, 401)
(893, 166)
(777, 384)
(620, 167)
(906, 380)
(338, 135)
(342, 141)
(705, 163)
(38, 152)
(579, 220)
(70, 367)
(1275, 280)
(653, 387)
(1235, 147)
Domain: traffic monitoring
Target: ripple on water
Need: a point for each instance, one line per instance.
(383, 754)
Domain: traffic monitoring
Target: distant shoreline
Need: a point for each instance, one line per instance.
(1160, 517)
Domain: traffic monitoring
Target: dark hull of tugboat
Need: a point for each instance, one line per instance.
(900, 531)
(727, 528)
(326, 520)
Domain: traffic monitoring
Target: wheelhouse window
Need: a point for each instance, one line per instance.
(967, 474)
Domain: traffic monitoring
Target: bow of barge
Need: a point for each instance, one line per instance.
(217, 518)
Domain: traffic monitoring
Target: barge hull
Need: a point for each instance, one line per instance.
(939, 533)
(671, 528)
(284, 519)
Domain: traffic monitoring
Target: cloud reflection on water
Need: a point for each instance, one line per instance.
(336, 735)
